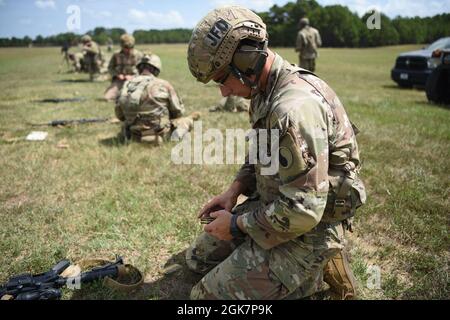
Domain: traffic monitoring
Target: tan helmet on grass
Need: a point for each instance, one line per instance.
(232, 39)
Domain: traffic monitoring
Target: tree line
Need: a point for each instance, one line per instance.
(102, 36)
(338, 26)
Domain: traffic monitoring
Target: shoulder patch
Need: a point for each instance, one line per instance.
(292, 164)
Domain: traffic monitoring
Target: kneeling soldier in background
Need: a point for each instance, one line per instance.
(150, 108)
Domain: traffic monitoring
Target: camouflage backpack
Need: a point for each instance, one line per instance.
(310, 44)
(131, 95)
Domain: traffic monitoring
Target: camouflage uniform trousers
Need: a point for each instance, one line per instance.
(112, 92)
(242, 270)
(308, 64)
(157, 134)
(93, 65)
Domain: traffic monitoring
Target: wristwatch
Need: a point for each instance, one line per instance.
(234, 228)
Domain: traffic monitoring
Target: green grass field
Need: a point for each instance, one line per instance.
(97, 197)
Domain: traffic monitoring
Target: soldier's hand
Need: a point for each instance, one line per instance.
(220, 227)
(224, 201)
(121, 77)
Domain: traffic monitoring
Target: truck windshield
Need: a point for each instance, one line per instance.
(440, 44)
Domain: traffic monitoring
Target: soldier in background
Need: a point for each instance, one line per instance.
(65, 53)
(290, 230)
(231, 104)
(308, 41)
(77, 62)
(122, 66)
(150, 108)
(110, 44)
(92, 56)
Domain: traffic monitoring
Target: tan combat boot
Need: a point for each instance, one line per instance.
(152, 139)
(339, 275)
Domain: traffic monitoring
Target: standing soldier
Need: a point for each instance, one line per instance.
(109, 44)
(277, 243)
(65, 52)
(122, 66)
(150, 108)
(308, 40)
(231, 104)
(92, 56)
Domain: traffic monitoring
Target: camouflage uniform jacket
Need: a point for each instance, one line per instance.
(77, 61)
(316, 137)
(156, 102)
(308, 40)
(121, 63)
(92, 49)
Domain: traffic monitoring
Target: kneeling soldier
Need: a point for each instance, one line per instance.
(149, 107)
(278, 243)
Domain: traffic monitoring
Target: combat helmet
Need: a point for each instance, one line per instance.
(229, 39)
(86, 38)
(303, 22)
(127, 41)
(150, 59)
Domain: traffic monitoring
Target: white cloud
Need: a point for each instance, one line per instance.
(137, 14)
(43, 4)
(414, 8)
(151, 19)
(393, 8)
(106, 14)
(25, 21)
(259, 5)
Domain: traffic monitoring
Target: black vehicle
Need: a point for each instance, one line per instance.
(413, 68)
(438, 84)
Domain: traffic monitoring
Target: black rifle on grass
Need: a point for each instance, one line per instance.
(61, 100)
(47, 286)
(56, 123)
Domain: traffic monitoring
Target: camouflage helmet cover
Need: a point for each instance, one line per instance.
(216, 37)
(86, 38)
(150, 59)
(127, 41)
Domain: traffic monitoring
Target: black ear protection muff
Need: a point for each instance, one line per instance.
(152, 69)
(249, 59)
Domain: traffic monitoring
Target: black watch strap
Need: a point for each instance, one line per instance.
(234, 229)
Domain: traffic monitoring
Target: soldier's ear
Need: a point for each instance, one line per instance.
(245, 58)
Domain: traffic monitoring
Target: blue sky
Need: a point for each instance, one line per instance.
(47, 17)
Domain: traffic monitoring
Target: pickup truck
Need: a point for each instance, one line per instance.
(413, 68)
